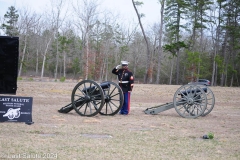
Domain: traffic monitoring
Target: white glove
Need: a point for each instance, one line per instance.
(118, 66)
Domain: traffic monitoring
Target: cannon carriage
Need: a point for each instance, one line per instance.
(90, 98)
(189, 101)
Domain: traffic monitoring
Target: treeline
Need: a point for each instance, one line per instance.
(192, 39)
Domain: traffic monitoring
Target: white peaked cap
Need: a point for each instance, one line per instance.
(124, 62)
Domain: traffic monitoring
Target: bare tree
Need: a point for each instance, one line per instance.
(215, 39)
(58, 18)
(36, 45)
(86, 18)
(27, 22)
(66, 40)
(47, 35)
(137, 51)
(148, 72)
(47, 43)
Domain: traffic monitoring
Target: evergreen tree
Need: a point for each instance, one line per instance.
(230, 46)
(11, 24)
(200, 18)
(175, 11)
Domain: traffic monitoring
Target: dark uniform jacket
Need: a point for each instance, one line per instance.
(125, 78)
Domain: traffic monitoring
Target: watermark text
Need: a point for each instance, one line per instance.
(29, 156)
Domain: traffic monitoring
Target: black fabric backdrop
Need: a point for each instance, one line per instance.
(9, 52)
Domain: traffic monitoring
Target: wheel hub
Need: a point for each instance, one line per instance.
(190, 101)
(107, 99)
(87, 98)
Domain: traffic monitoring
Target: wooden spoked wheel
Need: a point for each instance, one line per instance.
(190, 101)
(113, 96)
(87, 98)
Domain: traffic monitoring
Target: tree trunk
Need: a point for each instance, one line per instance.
(223, 80)
(58, 4)
(43, 65)
(37, 63)
(177, 40)
(201, 48)
(87, 57)
(64, 64)
(24, 51)
(171, 73)
(231, 84)
(106, 68)
(44, 58)
(57, 59)
(214, 72)
(160, 42)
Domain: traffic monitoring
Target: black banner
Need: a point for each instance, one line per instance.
(16, 109)
(9, 53)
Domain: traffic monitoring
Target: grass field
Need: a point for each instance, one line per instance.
(137, 136)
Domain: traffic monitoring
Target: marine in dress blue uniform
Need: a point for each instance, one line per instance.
(126, 82)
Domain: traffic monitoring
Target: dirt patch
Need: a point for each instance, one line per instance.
(136, 136)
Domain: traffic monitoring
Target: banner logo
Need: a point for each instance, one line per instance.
(12, 113)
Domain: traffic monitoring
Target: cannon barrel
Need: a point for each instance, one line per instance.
(197, 90)
(69, 107)
(103, 85)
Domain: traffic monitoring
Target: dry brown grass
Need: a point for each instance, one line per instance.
(136, 136)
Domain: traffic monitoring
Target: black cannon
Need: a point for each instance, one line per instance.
(90, 98)
(190, 101)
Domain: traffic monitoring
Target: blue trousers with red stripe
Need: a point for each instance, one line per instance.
(126, 104)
